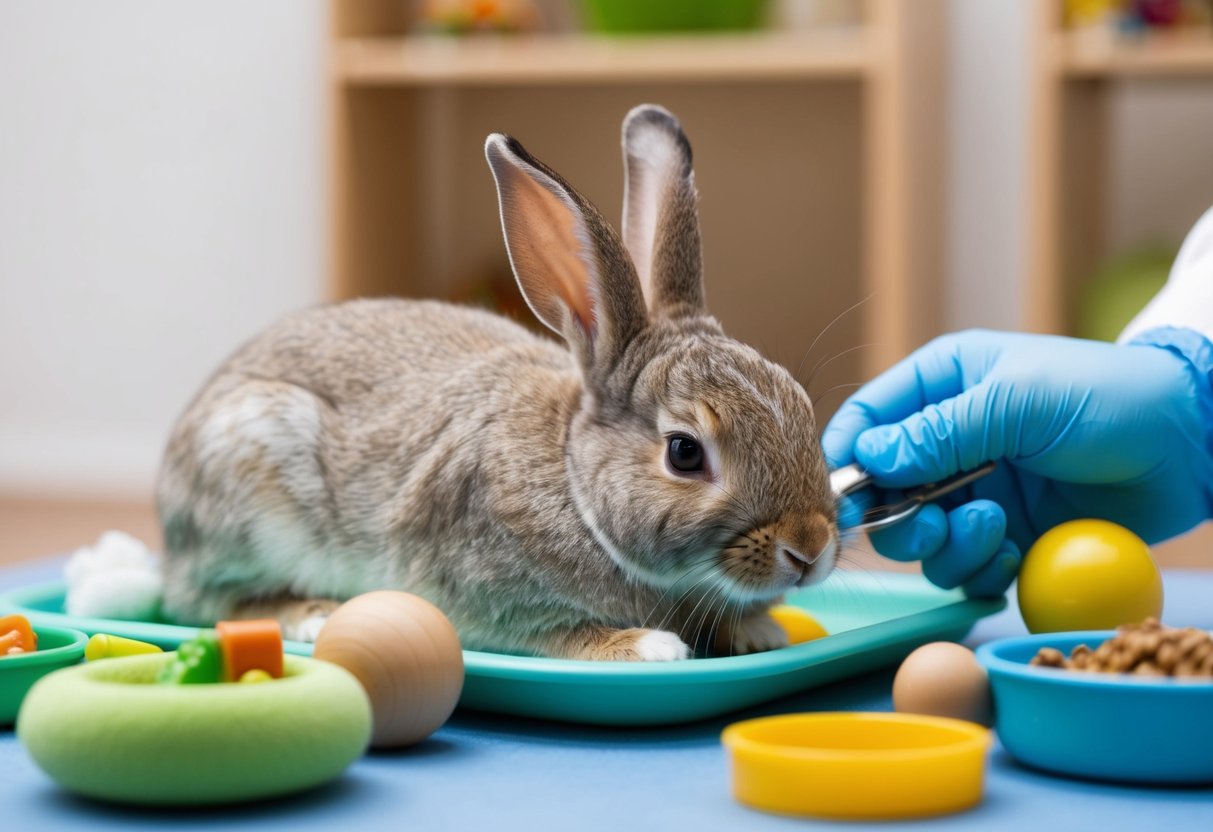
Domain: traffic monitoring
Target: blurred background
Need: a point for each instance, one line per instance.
(872, 173)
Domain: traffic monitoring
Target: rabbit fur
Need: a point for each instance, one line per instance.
(524, 487)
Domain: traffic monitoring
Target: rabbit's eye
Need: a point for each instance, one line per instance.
(686, 455)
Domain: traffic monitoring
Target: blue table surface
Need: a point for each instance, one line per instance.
(500, 773)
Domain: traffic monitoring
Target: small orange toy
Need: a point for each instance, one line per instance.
(250, 645)
(17, 636)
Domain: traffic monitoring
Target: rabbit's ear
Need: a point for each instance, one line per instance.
(569, 263)
(660, 218)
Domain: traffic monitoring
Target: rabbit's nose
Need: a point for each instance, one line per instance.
(796, 558)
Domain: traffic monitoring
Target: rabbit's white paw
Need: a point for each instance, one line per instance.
(757, 634)
(661, 646)
(308, 629)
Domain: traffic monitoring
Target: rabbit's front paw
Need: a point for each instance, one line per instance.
(300, 620)
(308, 629)
(606, 644)
(661, 646)
(757, 634)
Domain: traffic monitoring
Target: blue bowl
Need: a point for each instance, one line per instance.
(1105, 726)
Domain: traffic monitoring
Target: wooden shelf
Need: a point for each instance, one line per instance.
(847, 118)
(421, 61)
(1074, 78)
(1094, 55)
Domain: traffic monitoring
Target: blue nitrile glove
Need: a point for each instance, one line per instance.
(1080, 429)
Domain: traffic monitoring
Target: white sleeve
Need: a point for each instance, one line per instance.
(1187, 298)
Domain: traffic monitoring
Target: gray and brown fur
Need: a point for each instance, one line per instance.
(519, 485)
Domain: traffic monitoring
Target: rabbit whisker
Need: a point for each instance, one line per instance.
(720, 585)
(724, 613)
(821, 365)
(819, 399)
(827, 327)
(690, 570)
(682, 598)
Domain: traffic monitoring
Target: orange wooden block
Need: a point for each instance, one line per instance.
(250, 645)
(16, 635)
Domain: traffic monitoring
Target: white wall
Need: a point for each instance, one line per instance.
(162, 193)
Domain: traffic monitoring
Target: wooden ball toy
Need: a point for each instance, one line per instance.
(407, 656)
(943, 679)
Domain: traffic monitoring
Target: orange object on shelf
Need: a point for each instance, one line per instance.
(250, 645)
(16, 635)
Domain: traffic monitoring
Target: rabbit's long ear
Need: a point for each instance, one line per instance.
(570, 264)
(660, 217)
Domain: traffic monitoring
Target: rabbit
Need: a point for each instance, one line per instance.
(644, 492)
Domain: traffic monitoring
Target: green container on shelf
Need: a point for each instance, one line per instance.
(623, 16)
(1120, 289)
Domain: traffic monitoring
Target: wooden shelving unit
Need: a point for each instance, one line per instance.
(586, 59)
(1169, 55)
(817, 154)
(1074, 76)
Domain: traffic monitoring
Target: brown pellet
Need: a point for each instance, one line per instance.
(1146, 649)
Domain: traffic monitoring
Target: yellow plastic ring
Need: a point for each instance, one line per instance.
(857, 765)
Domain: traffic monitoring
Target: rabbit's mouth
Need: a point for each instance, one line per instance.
(768, 561)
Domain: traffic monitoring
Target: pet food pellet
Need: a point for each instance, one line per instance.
(1146, 649)
(1049, 657)
(251, 645)
(102, 646)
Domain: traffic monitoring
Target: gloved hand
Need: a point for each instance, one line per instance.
(1080, 429)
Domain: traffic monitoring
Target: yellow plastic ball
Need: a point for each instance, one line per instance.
(1088, 575)
(798, 624)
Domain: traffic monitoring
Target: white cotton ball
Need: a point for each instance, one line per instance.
(130, 594)
(113, 550)
(118, 577)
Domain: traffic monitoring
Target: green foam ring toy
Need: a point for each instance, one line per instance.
(108, 731)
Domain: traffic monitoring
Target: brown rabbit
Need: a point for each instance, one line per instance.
(650, 489)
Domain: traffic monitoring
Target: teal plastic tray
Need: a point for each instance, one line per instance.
(874, 620)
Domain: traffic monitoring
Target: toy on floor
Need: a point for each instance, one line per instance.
(798, 624)
(198, 661)
(107, 730)
(103, 646)
(857, 766)
(16, 636)
(407, 656)
(1088, 575)
(943, 679)
(229, 653)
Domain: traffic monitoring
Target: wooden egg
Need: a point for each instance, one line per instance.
(407, 656)
(943, 679)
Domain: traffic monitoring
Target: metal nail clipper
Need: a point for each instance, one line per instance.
(851, 478)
